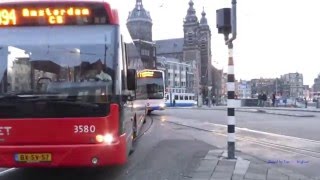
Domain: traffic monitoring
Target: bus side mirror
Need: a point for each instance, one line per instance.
(132, 79)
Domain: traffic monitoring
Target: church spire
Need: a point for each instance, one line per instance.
(191, 10)
(191, 14)
(203, 20)
(139, 4)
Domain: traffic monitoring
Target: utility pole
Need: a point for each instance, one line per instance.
(276, 86)
(226, 24)
(198, 86)
(209, 81)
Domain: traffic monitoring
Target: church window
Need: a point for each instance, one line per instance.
(190, 37)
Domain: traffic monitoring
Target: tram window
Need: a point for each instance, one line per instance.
(181, 97)
(191, 97)
(186, 98)
(176, 97)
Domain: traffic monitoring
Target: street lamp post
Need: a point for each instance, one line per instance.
(226, 24)
(276, 86)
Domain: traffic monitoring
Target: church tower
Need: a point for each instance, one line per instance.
(190, 29)
(204, 42)
(139, 24)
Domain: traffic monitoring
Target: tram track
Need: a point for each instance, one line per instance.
(146, 130)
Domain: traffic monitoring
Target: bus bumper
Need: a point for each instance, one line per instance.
(156, 108)
(68, 155)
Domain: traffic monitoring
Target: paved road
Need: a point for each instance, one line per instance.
(161, 154)
(303, 127)
(171, 151)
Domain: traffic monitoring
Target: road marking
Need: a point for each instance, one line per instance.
(7, 171)
(266, 133)
(280, 147)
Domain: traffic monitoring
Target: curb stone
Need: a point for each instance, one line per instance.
(257, 111)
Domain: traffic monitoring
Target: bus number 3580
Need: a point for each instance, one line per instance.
(84, 129)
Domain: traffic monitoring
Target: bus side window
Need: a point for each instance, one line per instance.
(176, 97)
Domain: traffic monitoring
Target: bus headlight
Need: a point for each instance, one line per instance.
(162, 105)
(108, 138)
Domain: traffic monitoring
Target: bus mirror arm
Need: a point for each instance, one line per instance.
(129, 98)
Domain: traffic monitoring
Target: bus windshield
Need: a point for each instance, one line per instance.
(67, 63)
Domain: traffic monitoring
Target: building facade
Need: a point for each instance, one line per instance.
(316, 85)
(307, 92)
(244, 89)
(179, 76)
(216, 82)
(292, 85)
(262, 85)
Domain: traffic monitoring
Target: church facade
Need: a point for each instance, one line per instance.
(193, 49)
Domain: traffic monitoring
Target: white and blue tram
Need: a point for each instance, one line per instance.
(180, 100)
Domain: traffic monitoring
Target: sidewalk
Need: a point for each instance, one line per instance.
(215, 166)
(309, 109)
(267, 110)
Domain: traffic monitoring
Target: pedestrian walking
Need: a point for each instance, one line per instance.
(264, 99)
(259, 100)
(273, 99)
(306, 102)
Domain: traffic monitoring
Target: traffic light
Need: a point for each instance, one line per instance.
(224, 21)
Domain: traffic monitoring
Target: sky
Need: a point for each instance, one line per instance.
(275, 37)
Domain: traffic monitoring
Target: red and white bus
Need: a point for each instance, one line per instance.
(66, 92)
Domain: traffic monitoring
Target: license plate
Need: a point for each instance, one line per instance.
(33, 158)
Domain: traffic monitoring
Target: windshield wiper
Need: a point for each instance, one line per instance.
(24, 95)
(42, 97)
(55, 100)
(68, 102)
(63, 101)
(16, 96)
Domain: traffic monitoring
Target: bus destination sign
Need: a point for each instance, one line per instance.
(149, 74)
(52, 14)
(12, 17)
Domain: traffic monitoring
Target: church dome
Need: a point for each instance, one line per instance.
(139, 13)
